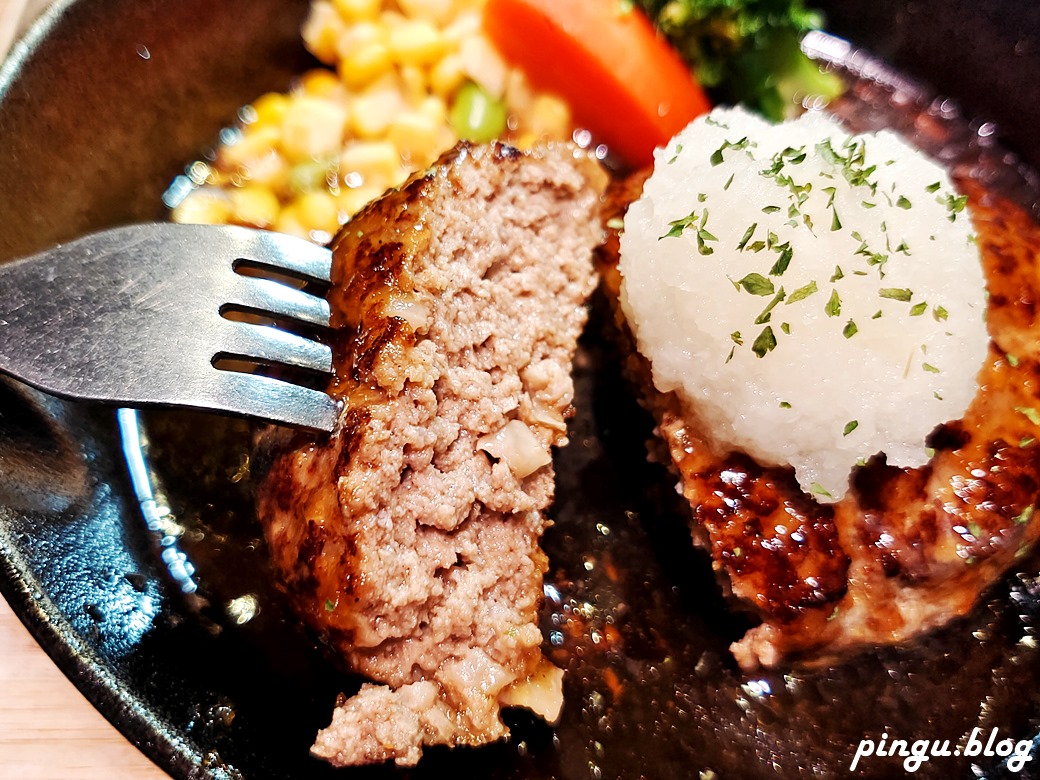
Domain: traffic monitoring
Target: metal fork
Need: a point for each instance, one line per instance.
(138, 316)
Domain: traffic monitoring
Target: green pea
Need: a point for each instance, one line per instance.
(476, 116)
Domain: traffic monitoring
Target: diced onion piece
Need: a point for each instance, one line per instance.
(541, 693)
(518, 447)
(549, 418)
(415, 313)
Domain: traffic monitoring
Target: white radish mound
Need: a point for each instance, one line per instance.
(864, 252)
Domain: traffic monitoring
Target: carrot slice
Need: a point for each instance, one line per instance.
(624, 83)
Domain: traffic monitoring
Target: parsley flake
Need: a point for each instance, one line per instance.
(763, 318)
(954, 205)
(765, 343)
(747, 237)
(896, 293)
(918, 309)
(833, 307)
(801, 293)
(820, 490)
(1029, 413)
(677, 226)
(782, 262)
(849, 330)
(850, 426)
(716, 156)
(756, 284)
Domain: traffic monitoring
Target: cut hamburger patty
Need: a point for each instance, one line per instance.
(409, 538)
(907, 549)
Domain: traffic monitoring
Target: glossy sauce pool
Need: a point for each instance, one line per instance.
(632, 611)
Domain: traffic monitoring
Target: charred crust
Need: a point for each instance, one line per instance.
(780, 549)
(353, 425)
(948, 436)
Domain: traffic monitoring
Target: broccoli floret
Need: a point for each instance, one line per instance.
(747, 51)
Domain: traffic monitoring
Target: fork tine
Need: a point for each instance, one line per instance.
(255, 395)
(271, 297)
(296, 255)
(271, 345)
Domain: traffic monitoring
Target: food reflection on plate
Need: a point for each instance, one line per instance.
(917, 541)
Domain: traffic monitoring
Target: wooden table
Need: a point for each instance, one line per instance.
(48, 731)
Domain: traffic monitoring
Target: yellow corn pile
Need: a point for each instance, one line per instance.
(406, 79)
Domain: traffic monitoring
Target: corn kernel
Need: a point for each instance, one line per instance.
(317, 210)
(550, 116)
(319, 82)
(351, 200)
(355, 10)
(447, 75)
(399, 176)
(289, 222)
(417, 42)
(365, 64)
(434, 108)
(525, 141)
(313, 127)
(389, 19)
(415, 136)
(322, 31)
(413, 83)
(436, 11)
(270, 108)
(358, 34)
(374, 110)
(205, 206)
(256, 142)
(446, 138)
(465, 25)
(254, 205)
(519, 95)
(269, 170)
(376, 161)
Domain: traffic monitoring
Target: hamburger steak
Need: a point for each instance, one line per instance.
(409, 538)
(907, 549)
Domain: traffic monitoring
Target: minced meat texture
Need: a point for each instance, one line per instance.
(410, 538)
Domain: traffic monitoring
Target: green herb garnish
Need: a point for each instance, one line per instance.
(765, 343)
(833, 307)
